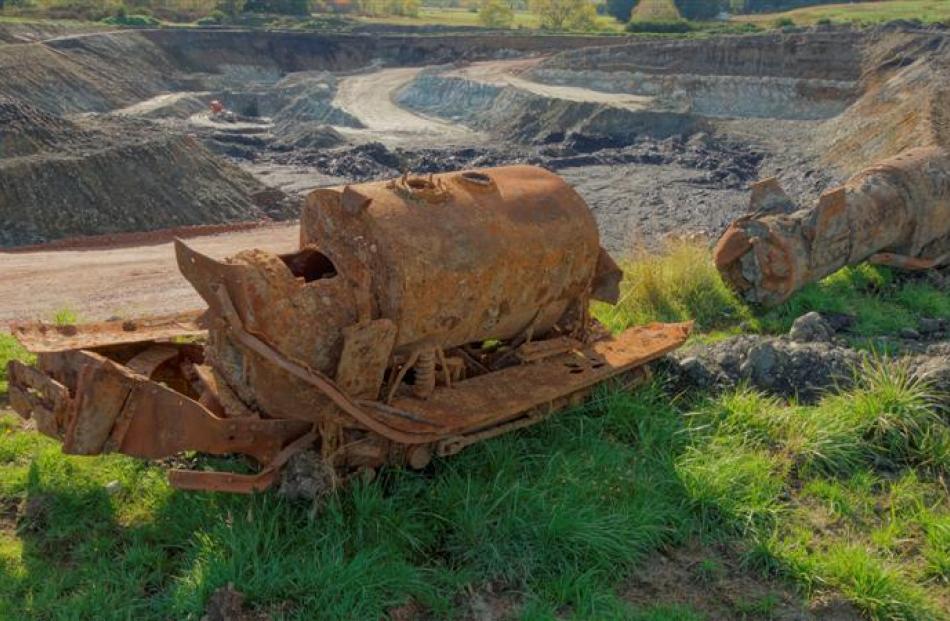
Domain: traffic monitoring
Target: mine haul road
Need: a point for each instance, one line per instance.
(118, 281)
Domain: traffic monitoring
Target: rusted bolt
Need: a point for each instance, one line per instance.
(419, 456)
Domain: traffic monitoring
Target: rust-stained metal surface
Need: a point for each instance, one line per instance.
(45, 337)
(419, 316)
(896, 212)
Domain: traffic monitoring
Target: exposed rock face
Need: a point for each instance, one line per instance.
(904, 105)
(827, 55)
(935, 370)
(536, 118)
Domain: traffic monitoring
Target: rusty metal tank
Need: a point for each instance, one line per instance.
(419, 316)
(465, 256)
(447, 259)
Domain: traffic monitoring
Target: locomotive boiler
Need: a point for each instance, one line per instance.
(419, 315)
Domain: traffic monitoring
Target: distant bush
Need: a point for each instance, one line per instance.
(784, 22)
(495, 14)
(131, 20)
(824, 21)
(284, 7)
(78, 10)
(324, 22)
(577, 15)
(671, 26)
(214, 18)
(743, 28)
(655, 11)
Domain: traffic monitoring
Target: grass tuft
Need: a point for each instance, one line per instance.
(10, 349)
(882, 591)
(891, 415)
(65, 317)
(733, 485)
(679, 284)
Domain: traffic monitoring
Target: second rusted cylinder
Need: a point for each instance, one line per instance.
(900, 206)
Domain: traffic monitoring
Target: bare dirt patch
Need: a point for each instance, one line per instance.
(227, 604)
(124, 281)
(712, 581)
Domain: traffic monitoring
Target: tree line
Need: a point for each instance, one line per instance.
(710, 9)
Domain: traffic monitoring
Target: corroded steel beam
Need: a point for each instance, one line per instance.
(896, 212)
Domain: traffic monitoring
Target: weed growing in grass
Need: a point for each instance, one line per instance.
(709, 570)
(65, 317)
(762, 607)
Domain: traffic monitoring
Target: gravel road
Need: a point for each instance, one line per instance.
(127, 282)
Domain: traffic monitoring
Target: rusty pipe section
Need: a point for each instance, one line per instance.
(896, 211)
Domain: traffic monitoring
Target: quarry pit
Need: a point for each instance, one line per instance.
(110, 134)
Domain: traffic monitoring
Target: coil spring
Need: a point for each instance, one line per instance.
(424, 381)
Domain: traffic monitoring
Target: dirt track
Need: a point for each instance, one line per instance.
(130, 281)
(509, 73)
(369, 97)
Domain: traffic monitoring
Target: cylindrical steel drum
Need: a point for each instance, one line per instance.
(461, 257)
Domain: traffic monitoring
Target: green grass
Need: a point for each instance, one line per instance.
(682, 284)
(846, 496)
(560, 513)
(10, 349)
(873, 295)
(927, 11)
(65, 317)
(430, 16)
(557, 513)
(679, 284)
(872, 526)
